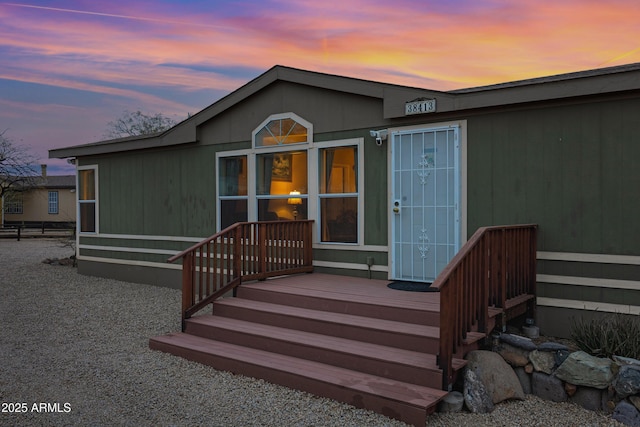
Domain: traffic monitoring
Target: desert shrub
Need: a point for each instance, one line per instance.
(613, 334)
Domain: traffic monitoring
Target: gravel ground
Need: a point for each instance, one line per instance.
(80, 344)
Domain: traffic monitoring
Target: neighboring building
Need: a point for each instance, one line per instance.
(396, 179)
(49, 199)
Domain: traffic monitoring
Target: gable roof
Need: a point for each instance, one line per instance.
(585, 83)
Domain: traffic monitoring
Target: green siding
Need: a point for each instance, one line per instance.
(164, 192)
(568, 168)
(357, 257)
(590, 293)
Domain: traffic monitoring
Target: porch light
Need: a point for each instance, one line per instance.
(294, 200)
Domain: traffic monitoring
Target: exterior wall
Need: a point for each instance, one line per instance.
(571, 169)
(36, 207)
(568, 167)
(142, 227)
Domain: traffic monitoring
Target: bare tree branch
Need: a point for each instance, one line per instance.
(17, 167)
(137, 123)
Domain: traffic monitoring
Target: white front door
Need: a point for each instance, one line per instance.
(425, 202)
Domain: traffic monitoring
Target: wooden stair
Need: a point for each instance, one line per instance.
(360, 345)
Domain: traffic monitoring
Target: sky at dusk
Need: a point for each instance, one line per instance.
(68, 68)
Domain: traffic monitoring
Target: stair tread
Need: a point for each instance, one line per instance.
(412, 394)
(344, 345)
(393, 299)
(336, 318)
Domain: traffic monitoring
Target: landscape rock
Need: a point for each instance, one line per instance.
(452, 402)
(560, 356)
(543, 361)
(628, 381)
(518, 341)
(524, 378)
(514, 356)
(570, 389)
(552, 346)
(583, 369)
(499, 380)
(627, 414)
(588, 397)
(635, 400)
(548, 387)
(626, 361)
(476, 397)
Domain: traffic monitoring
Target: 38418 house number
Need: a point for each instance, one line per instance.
(420, 107)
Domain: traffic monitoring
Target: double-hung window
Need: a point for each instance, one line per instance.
(338, 194)
(88, 199)
(53, 202)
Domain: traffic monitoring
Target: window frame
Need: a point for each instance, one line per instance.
(282, 116)
(313, 178)
(95, 201)
(53, 203)
(359, 195)
(15, 204)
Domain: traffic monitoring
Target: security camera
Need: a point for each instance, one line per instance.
(379, 135)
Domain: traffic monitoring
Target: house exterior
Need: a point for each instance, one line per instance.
(49, 199)
(396, 179)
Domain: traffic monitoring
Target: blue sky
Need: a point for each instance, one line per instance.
(70, 67)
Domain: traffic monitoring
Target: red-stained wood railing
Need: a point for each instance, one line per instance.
(495, 265)
(241, 252)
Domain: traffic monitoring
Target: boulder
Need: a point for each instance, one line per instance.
(583, 369)
(495, 374)
(518, 341)
(627, 414)
(560, 356)
(452, 402)
(589, 398)
(628, 381)
(543, 361)
(548, 387)
(514, 356)
(524, 378)
(552, 346)
(476, 398)
(635, 400)
(626, 361)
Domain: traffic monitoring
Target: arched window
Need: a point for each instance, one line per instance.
(281, 129)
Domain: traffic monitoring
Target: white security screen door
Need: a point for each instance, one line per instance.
(425, 205)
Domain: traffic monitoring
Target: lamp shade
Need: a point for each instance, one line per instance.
(293, 199)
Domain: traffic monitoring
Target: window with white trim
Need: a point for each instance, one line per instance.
(53, 202)
(281, 178)
(338, 194)
(233, 196)
(88, 199)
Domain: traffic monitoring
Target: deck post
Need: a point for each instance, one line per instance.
(187, 285)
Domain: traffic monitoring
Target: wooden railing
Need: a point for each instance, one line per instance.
(495, 265)
(243, 251)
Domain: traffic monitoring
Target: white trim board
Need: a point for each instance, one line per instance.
(130, 262)
(146, 237)
(130, 250)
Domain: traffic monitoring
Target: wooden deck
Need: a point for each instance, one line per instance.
(350, 339)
